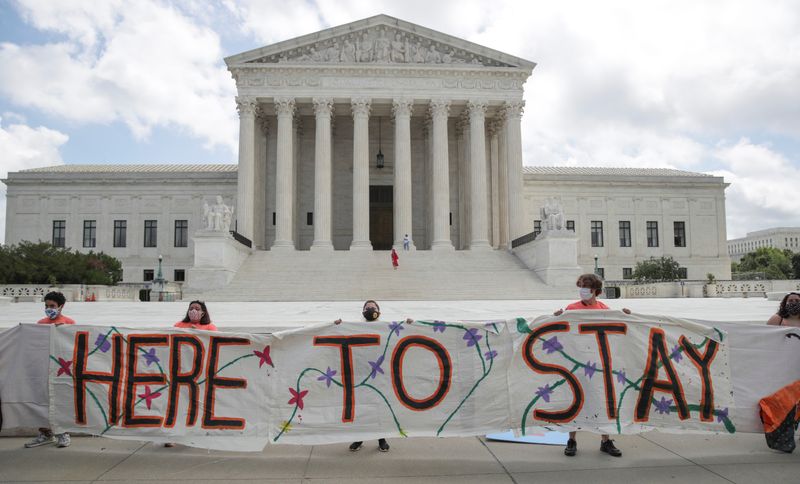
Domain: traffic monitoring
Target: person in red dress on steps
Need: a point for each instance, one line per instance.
(395, 259)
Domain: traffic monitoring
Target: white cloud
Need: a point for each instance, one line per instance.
(25, 147)
(144, 63)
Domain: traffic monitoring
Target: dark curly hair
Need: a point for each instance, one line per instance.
(782, 309)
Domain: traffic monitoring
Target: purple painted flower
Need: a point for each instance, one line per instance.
(621, 377)
(544, 393)
(676, 354)
(663, 405)
(490, 354)
(589, 369)
(102, 343)
(150, 357)
(551, 345)
(396, 327)
(471, 336)
(376, 367)
(439, 326)
(327, 377)
(722, 414)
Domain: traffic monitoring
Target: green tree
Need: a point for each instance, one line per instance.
(774, 263)
(795, 266)
(664, 268)
(41, 263)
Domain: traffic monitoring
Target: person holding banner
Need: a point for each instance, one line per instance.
(53, 305)
(371, 312)
(197, 317)
(589, 287)
(788, 312)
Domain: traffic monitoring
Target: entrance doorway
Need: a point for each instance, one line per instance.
(381, 217)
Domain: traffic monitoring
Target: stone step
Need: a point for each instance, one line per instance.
(352, 275)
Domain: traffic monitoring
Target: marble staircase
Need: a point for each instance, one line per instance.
(356, 275)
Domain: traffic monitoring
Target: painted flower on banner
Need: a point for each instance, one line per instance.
(439, 326)
(65, 367)
(150, 357)
(621, 377)
(376, 367)
(490, 355)
(492, 327)
(676, 354)
(297, 397)
(327, 377)
(396, 327)
(551, 345)
(286, 426)
(544, 392)
(589, 369)
(722, 414)
(472, 337)
(663, 405)
(264, 357)
(148, 396)
(102, 343)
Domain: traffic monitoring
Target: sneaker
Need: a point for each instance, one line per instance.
(571, 448)
(356, 446)
(383, 446)
(41, 439)
(609, 448)
(63, 440)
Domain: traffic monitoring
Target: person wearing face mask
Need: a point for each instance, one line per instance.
(371, 312)
(197, 317)
(788, 312)
(53, 304)
(589, 287)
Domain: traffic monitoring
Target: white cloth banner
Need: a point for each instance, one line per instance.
(602, 371)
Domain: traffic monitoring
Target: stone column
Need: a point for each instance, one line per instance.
(245, 190)
(401, 109)
(479, 233)
(360, 107)
(517, 225)
(503, 183)
(323, 109)
(260, 182)
(284, 179)
(494, 161)
(440, 110)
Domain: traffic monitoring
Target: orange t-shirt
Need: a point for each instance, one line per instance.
(581, 305)
(190, 325)
(61, 319)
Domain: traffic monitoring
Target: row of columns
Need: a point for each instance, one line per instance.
(510, 147)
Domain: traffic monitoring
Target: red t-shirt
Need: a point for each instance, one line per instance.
(61, 319)
(581, 305)
(190, 325)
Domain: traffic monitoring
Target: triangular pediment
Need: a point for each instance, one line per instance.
(378, 40)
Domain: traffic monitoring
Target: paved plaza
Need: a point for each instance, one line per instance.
(648, 458)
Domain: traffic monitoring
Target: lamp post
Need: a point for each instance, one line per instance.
(596, 272)
(379, 157)
(159, 280)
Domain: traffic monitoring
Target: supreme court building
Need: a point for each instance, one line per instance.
(354, 137)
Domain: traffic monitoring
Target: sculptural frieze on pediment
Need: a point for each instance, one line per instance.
(380, 45)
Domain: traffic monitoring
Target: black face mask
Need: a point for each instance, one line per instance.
(793, 309)
(370, 314)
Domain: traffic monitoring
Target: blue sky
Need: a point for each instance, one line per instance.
(701, 86)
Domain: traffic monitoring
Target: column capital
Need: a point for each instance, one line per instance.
(284, 106)
(476, 109)
(439, 107)
(402, 107)
(261, 120)
(495, 125)
(246, 105)
(360, 106)
(513, 109)
(323, 106)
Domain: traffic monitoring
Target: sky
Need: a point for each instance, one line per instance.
(709, 86)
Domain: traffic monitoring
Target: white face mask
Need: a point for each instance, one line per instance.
(586, 293)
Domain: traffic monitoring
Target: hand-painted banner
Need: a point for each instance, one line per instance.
(596, 370)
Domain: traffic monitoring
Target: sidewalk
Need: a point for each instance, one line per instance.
(647, 458)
